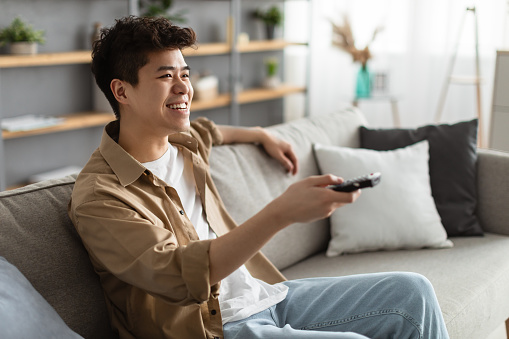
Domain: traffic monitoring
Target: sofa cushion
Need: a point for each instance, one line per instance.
(23, 311)
(398, 213)
(248, 179)
(452, 167)
(38, 238)
(471, 280)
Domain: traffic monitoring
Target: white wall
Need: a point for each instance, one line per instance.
(414, 50)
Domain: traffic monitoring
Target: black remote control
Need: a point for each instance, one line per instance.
(354, 184)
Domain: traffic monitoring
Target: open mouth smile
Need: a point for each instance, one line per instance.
(181, 106)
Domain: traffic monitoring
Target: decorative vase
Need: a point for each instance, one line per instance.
(23, 48)
(363, 86)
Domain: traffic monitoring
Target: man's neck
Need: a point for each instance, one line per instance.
(144, 147)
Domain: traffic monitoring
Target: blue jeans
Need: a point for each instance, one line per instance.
(381, 305)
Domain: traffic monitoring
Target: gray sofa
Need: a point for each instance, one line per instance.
(471, 279)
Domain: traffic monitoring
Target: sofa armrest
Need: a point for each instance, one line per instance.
(493, 191)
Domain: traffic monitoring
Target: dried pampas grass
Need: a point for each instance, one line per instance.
(342, 37)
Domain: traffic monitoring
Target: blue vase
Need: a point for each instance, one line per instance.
(363, 86)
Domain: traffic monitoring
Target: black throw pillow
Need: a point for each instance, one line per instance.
(452, 168)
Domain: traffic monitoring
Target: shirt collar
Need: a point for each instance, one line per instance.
(126, 168)
(184, 140)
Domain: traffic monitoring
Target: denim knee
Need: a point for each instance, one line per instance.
(410, 283)
(421, 303)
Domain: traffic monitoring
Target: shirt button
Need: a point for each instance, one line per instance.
(181, 212)
(213, 312)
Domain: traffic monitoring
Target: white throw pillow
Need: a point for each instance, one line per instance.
(398, 213)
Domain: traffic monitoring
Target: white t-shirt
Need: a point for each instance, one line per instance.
(240, 295)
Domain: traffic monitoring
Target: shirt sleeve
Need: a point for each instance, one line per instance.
(143, 253)
(207, 133)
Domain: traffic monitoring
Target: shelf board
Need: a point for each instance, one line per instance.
(45, 59)
(247, 96)
(221, 100)
(265, 45)
(207, 49)
(262, 94)
(252, 46)
(84, 57)
(71, 122)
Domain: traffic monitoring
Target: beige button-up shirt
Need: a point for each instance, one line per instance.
(152, 266)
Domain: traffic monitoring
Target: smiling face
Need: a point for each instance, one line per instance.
(159, 104)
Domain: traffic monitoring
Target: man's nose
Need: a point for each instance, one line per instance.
(181, 87)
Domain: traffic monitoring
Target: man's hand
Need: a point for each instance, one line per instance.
(308, 200)
(282, 151)
(279, 149)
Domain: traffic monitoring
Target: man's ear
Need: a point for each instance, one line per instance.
(118, 88)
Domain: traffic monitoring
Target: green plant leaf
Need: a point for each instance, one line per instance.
(161, 8)
(272, 16)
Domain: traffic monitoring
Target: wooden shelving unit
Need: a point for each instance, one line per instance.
(92, 119)
(84, 57)
(231, 101)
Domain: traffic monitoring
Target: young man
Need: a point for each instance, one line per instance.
(171, 261)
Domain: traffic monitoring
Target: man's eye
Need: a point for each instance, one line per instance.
(165, 76)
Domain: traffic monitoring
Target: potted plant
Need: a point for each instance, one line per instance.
(21, 37)
(271, 18)
(272, 79)
(155, 8)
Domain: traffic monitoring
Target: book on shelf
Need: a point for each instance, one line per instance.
(29, 122)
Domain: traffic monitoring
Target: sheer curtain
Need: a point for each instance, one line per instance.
(414, 50)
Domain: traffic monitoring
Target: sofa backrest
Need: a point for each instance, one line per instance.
(248, 179)
(37, 236)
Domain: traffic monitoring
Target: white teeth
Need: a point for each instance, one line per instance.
(178, 106)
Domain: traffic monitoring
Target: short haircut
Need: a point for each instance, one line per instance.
(123, 49)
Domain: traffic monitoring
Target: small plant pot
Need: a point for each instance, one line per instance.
(270, 31)
(272, 82)
(23, 48)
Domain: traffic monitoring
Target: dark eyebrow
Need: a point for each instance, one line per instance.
(172, 68)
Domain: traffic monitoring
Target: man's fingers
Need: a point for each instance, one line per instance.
(292, 158)
(324, 180)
